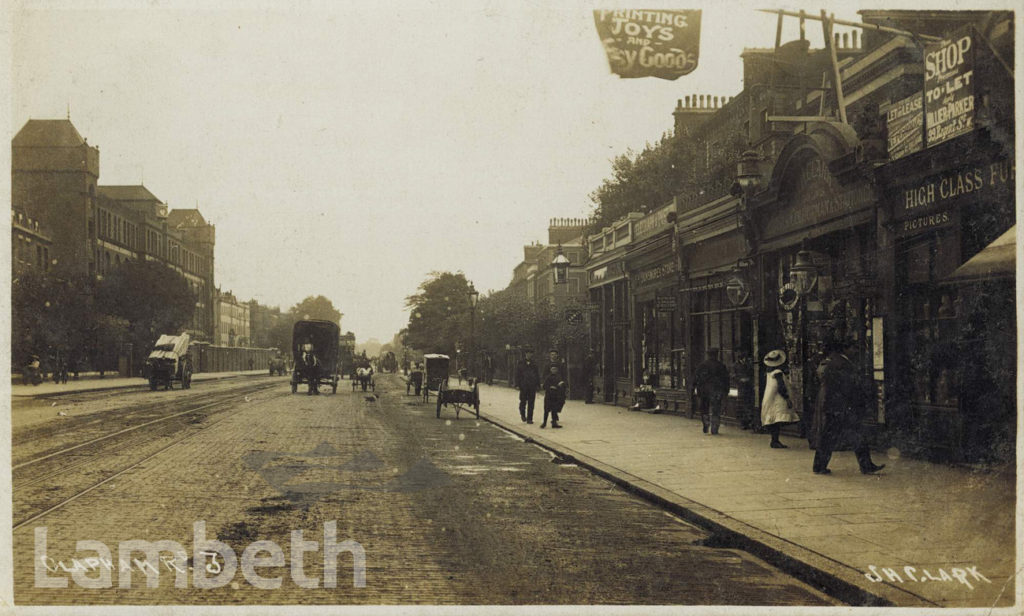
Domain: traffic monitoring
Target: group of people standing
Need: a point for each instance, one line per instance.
(528, 380)
(836, 423)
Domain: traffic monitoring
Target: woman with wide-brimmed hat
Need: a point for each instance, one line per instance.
(776, 405)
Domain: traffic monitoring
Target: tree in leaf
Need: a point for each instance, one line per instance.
(316, 307)
(52, 316)
(150, 297)
(439, 314)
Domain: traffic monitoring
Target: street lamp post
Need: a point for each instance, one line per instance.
(474, 295)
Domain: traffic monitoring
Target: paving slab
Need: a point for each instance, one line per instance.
(843, 527)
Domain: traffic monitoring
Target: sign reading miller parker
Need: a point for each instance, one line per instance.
(650, 43)
(949, 87)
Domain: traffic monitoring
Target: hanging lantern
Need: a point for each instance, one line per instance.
(804, 273)
(561, 266)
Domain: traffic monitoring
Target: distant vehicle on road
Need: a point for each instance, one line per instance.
(277, 366)
(170, 362)
(322, 338)
(364, 379)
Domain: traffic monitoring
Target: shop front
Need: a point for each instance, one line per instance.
(659, 350)
(817, 266)
(717, 298)
(951, 210)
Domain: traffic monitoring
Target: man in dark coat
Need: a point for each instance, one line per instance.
(310, 368)
(839, 412)
(527, 380)
(711, 385)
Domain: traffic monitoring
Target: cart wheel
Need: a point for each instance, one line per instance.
(476, 400)
(152, 384)
(439, 405)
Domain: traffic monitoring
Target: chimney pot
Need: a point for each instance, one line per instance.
(835, 39)
(846, 40)
(853, 40)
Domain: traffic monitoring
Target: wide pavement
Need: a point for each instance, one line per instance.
(916, 534)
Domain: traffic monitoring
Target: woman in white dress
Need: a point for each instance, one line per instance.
(776, 406)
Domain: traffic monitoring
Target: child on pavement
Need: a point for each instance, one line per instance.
(554, 396)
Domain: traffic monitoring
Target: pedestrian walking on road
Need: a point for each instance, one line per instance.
(776, 405)
(554, 397)
(841, 403)
(711, 385)
(527, 380)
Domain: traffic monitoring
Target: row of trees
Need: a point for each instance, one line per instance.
(85, 321)
(440, 315)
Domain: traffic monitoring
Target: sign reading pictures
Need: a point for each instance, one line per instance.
(650, 43)
(949, 87)
(904, 119)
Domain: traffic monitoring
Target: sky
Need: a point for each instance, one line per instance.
(348, 149)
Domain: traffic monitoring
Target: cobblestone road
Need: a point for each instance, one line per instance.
(448, 511)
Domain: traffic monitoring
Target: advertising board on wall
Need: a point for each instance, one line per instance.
(949, 87)
(903, 119)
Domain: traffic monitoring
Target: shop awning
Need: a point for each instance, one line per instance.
(997, 260)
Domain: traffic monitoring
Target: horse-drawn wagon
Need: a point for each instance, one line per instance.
(315, 353)
(463, 397)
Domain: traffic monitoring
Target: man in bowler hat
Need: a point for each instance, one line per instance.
(527, 380)
(838, 413)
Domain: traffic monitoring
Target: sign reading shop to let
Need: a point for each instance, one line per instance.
(949, 87)
(650, 43)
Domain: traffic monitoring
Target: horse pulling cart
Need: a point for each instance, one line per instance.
(463, 398)
(364, 378)
(315, 353)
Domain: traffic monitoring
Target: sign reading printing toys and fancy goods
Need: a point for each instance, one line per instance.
(949, 87)
(650, 43)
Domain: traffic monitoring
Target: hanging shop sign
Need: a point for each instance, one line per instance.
(650, 43)
(949, 87)
(903, 120)
(737, 290)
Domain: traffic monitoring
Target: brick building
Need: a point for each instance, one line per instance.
(64, 220)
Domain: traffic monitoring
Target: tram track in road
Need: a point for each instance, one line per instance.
(49, 440)
(71, 472)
